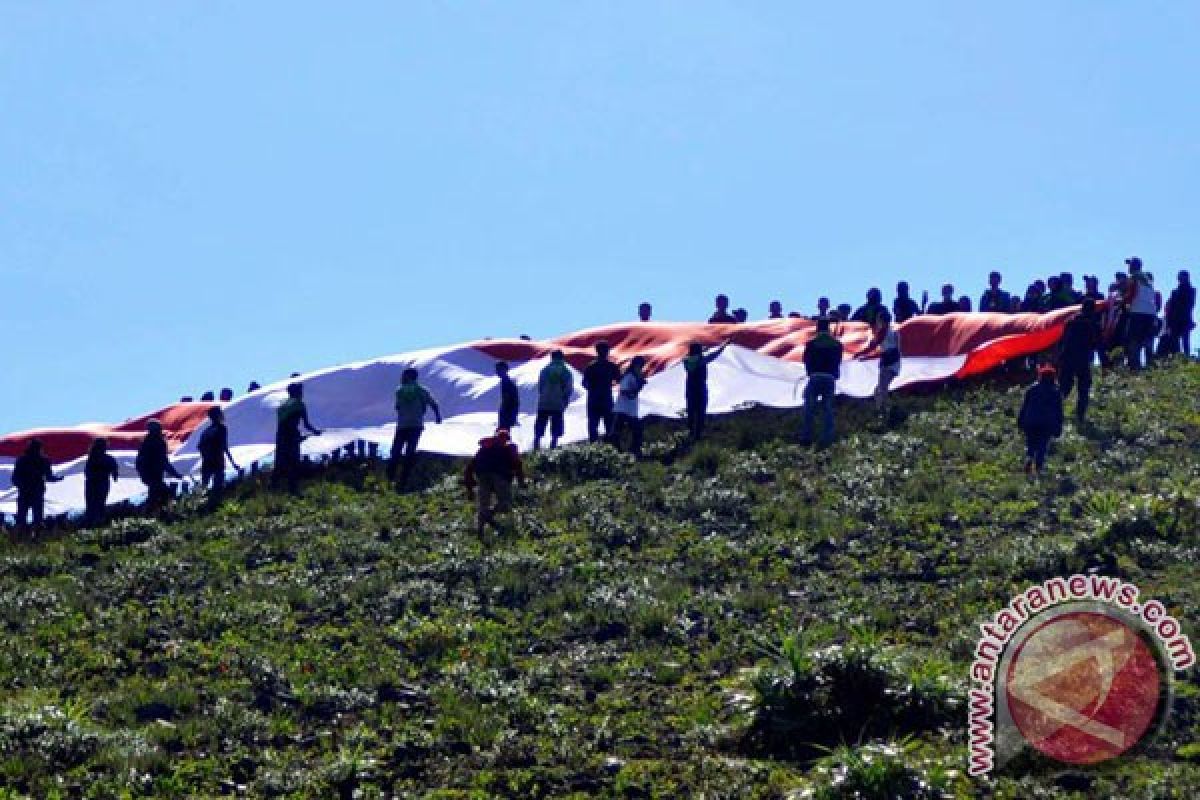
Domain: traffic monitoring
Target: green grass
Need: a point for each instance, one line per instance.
(747, 618)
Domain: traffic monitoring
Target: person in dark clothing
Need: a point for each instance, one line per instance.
(822, 307)
(556, 387)
(947, 305)
(1080, 338)
(740, 315)
(904, 307)
(775, 310)
(626, 410)
(31, 472)
(214, 449)
(995, 299)
(721, 315)
(1091, 288)
(1055, 298)
(152, 463)
(845, 311)
(1032, 304)
(412, 402)
(208, 397)
(964, 303)
(1040, 419)
(869, 311)
(644, 312)
(1180, 306)
(226, 395)
(289, 417)
(492, 470)
(100, 471)
(510, 398)
(695, 367)
(823, 364)
(598, 380)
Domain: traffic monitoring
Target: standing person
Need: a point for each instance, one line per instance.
(822, 308)
(1180, 306)
(152, 463)
(823, 364)
(492, 469)
(555, 387)
(740, 315)
(995, 299)
(1040, 419)
(721, 315)
(99, 473)
(412, 402)
(887, 339)
(870, 310)
(775, 310)
(598, 379)
(1142, 303)
(947, 305)
(1080, 338)
(31, 472)
(626, 408)
(289, 417)
(904, 307)
(510, 398)
(214, 449)
(1032, 304)
(695, 367)
(645, 310)
(1114, 322)
(1091, 288)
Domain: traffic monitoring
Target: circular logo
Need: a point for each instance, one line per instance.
(1083, 687)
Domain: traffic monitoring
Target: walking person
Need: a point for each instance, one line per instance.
(598, 379)
(823, 364)
(31, 472)
(489, 476)
(152, 463)
(1080, 338)
(626, 408)
(289, 417)
(412, 402)
(556, 384)
(510, 398)
(1040, 419)
(695, 366)
(214, 450)
(100, 471)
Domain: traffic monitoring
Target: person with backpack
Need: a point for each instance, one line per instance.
(412, 402)
(995, 299)
(289, 417)
(1080, 338)
(31, 472)
(492, 470)
(152, 463)
(695, 367)
(598, 379)
(823, 364)
(214, 449)
(1040, 419)
(626, 408)
(556, 384)
(1180, 306)
(510, 398)
(887, 339)
(1141, 301)
(100, 471)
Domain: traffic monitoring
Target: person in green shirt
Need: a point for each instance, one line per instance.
(412, 401)
(555, 387)
(289, 418)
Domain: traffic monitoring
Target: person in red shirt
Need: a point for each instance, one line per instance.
(492, 469)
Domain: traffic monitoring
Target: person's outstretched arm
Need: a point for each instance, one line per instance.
(307, 424)
(715, 354)
(437, 412)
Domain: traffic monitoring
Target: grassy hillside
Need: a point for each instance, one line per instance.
(745, 619)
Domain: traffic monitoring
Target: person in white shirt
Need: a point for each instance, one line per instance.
(626, 407)
(887, 339)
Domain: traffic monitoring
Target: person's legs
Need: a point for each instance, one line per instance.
(696, 408)
(1066, 379)
(539, 427)
(886, 376)
(38, 507)
(1085, 388)
(828, 386)
(556, 428)
(1134, 340)
(483, 501)
(638, 427)
(24, 506)
(810, 410)
(619, 423)
(1185, 343)
(411, 438)
(594, 415)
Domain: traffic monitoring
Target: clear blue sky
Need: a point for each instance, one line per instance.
(200, 194)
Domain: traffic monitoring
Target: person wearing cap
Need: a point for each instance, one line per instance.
(556, 385)
(994, 299)
(823, 364)
(288, 418)
(510, 398)
(1040, 418)
(947, 305)
(1141, 301)
(626, 408)
(1076, 349)
(695, 387)
(598, 380)
(152, 463)
(413, 402)
(31, 472)
(489, 476)
(214, 450)
(100, 471)
(1180, 306)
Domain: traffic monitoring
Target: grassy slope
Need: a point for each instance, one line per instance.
(622, 640)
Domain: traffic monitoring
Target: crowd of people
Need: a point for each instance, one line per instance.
(1127, 317)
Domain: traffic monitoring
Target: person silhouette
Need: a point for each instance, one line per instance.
(626, 408)
(598, 380)
(214, 449)
(823, 365)
(721, 314)
(695, 367)
(904, 307)
(152, 463)
(555, 387)
(510, 398)
(775, 310)
(644, 312)
(31, 472)
(994, 299)
(99, 473)
(412, 402)
(289, 417)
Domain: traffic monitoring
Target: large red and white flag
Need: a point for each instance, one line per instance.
(355, 401)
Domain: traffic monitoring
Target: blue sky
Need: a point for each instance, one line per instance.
(199, 194)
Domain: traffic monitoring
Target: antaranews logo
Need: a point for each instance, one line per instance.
(1075, 667)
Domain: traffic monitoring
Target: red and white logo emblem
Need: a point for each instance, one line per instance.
(1083, 687)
